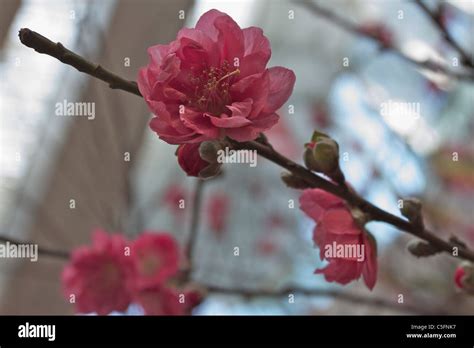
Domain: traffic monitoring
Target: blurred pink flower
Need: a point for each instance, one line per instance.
(378, 31)
(97, 275)
(172, 197)
(212, 82)
(218, 209)
(320, 115)
(189, 159)
(266, 246)
(336, 226)
(155, 258)
(160, 300)
(459, 276)
(112, 273)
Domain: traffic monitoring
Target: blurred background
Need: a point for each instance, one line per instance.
(122, 178)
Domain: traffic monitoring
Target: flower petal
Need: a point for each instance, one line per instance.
(238, 118)
(314, 202)
(230, 39)
(257, 52)
(341, 271)
(251, 131)
(199, 122)
(229, 122)
(255, 87)
(206, 23)
(282, 82)
(200, 38)
(369, 270)
(339, 221)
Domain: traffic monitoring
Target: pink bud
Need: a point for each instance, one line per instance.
(458, 277)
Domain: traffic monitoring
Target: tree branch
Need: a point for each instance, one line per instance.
(436, 19)
(43, 45)
(354, 29)
(193, 228)
(353, 298)
(375, 213)
(44, 251)
(334, 293)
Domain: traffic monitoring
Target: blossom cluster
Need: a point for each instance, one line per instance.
(113, 272)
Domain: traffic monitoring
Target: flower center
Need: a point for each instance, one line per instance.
(211, 91)
(110, 274)
(149, 264)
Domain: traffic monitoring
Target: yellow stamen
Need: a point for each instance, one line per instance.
(236, 71)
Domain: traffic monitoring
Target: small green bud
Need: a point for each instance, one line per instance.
(411, 209)
(326, 155)
(208, 151)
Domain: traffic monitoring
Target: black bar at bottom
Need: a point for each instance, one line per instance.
(291, 330)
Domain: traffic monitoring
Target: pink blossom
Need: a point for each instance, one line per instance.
(112, 273)
(172, 196)
(212, 82)
(320, 115)
(97, 275)
(335, 224)
(267, 246)
(189, 159)
(161, 300)
(155, 259)
(218, 209)
(459, 276)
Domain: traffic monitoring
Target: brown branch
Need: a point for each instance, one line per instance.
(269, 153)
(375, 213)
(316, 292)
(43, 45)
(354, 29)
(43, 251)
(436, 19)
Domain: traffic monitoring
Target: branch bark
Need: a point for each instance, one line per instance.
(45, 46)
(43, 251)
(374, 212)
(333, 293)
(354, 29)
(193, 228)
(436, 19)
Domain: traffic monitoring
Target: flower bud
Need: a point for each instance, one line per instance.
(190, 160)
(322, 156)
(421, 248)
(210, 171)
(411, 209)
(326, 155)
(308, 157)
(208, 151)
(293, 181)
(464, 277)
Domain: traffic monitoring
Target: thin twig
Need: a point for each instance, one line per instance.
(43, 251)
(43, 45)
(316, 292)
(350, 27)
(193, 228)
(269, 153)
(436, 19)
(374, 212)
